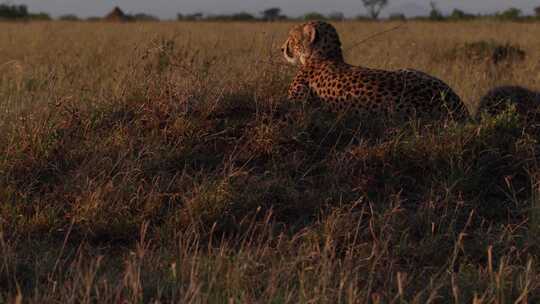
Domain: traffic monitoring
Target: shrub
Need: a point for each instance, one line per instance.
(397, 17)
(509, 14)
(314, 16)
(70, 17)
(40, 16)
(461, 15)
(336, 16)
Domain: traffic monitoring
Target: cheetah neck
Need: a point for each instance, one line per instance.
(319, 62)
(334, 56)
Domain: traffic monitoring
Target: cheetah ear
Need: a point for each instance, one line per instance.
(311, 33)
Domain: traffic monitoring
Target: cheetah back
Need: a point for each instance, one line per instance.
(369, 91)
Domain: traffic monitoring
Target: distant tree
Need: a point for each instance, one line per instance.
(336, 16)
(314, 16)
(374, 7)
(537, 11)
(144, 17)
(94, 19)
(69, 17)
(458, 14)
(272, 14)
(510, 14)
(435, 14)
(192, 17)
(242, 16)
(397, 17)
(8, 11)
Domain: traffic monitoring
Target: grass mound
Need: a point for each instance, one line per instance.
(267, 186)
(486, 52)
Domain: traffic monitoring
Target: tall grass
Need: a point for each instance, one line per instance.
(161, 163)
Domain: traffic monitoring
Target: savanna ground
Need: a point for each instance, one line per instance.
(160, 162)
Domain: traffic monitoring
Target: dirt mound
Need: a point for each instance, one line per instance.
(116, 15)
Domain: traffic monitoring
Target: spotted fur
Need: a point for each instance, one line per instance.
(324, 77)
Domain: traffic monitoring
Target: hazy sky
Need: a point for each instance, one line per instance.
(169, 8)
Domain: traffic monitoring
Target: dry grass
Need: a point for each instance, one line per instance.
(161, 163)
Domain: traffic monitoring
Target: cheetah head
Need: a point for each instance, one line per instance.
(310, 41)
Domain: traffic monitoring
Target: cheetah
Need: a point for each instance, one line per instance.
(526, 101)
(324, 77)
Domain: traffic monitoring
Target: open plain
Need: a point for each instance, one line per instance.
(161, 162)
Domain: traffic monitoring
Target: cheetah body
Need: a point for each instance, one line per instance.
(324, 77)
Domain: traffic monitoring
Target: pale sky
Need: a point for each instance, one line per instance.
(169, 8)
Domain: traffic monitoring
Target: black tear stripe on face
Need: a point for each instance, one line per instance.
(316, 38)
(288, 50)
